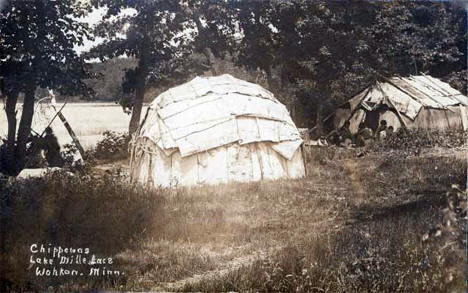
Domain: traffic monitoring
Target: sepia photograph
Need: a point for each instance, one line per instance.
(233, 146)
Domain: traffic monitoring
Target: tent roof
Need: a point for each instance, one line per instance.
(209, 112)
(409, 94)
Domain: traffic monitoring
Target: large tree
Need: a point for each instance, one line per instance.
(257, 47)
(146, 30)
(314, 54)
(214, 24)
(37, 50)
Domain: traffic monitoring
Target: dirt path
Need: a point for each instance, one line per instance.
(223, 271)
(334, 224)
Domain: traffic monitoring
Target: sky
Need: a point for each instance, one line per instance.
(92, 19)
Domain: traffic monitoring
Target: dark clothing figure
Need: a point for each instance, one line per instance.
(333, 137)
(366, 133)
(339, 136)
(343, 135)
(382, 128)
(5, 161)
(346, 137)
(388, 132)
(34, 156)
(51, 148)
(364, 136)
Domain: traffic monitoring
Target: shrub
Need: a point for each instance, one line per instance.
(411, 139)
(113, 146)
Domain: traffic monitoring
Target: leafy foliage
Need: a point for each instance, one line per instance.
(37, 44)
(146, 30)
(105, 78)
(113, 146)
(340, 47)
(415, 139)
(458, 80)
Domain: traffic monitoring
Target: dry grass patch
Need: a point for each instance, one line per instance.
(215, 228)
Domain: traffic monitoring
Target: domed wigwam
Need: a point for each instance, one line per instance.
(215, 130)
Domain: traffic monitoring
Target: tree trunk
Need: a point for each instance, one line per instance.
(318, 119)
(136, 109)
(10, 110)
(271, 82)
(211, 60)
(142, 72)
(24, 129)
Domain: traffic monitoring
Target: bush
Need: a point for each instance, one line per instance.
(68, 154)
(410, 139)
(113, 146)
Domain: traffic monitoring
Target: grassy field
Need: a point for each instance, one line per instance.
(352, 225)
(355, 224)
(88, 121)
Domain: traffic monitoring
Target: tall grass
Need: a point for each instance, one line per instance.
(379, 244)
(379, 256)
(106, 215)
(355, 224)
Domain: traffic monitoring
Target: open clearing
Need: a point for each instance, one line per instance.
(88, 121)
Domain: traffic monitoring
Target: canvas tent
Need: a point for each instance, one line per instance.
(215, 130)
(419, 101)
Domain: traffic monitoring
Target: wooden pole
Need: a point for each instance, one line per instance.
(53, 118)
(71, 132)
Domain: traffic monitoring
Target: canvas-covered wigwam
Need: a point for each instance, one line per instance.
(215, 130)
(421, 101)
